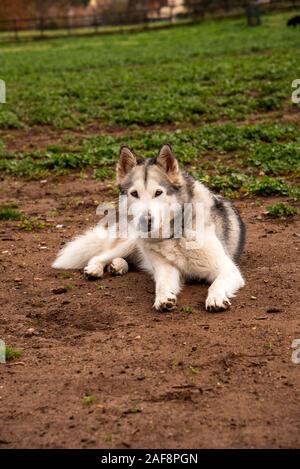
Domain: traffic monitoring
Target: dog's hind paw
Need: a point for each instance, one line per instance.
(93, 271)
(166, 305)
(118, 267)
(217, 302)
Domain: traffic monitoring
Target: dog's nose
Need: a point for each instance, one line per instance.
(145, 223)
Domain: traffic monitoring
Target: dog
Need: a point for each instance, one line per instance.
(294, 21)
(213, 256)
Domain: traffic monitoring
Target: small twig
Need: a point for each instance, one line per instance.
(16, 363)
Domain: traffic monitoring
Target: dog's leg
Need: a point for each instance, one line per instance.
(96, 265)
(167, 285)
(223, 273)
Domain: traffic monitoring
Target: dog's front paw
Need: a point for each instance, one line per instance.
(217, 302)
(118, 267)
(165, 306)
(93, 271)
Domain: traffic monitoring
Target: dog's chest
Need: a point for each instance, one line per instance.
(190, 261)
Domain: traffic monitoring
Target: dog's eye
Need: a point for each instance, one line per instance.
(158, 193)
(134, 194)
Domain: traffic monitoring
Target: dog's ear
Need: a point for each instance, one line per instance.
(126, 162)
(168, 163)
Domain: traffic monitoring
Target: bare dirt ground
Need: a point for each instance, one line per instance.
(180, 379)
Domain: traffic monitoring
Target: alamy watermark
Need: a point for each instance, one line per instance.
(2, 92)
(2, 351)
(154, 220)
(296, 353)
(296, 93)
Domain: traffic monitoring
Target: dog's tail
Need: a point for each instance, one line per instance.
(77, 253)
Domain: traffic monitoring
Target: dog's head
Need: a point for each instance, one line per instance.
(153, 187)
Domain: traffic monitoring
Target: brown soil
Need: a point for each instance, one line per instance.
(160, 380)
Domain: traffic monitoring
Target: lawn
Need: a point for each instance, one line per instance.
(220, 92)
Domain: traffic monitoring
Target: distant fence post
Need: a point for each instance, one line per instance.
(16, 30)
(68, 26)
(95, 22)
(171, 6)
(253, 14)
(41, 27)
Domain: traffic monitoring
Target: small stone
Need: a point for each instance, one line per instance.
(30, 332)
(274, 310)
(140, 378)
(59, 290)
(253, 298)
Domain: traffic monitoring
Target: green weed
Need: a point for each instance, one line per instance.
(280, 210)
(11, 353)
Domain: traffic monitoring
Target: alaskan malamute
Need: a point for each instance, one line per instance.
(212, 254)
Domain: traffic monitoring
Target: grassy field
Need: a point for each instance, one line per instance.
(220, 92)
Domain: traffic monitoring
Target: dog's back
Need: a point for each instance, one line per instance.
(230, 228)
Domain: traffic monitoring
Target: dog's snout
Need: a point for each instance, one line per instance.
(145, 222)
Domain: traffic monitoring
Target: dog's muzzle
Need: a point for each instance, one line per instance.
(145, 223)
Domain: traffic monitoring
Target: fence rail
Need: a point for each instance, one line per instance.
(189, 10)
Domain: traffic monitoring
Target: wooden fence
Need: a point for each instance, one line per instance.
(190, 10)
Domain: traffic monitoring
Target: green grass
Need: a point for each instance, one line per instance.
(89, 400)
(9, 213)
(208, 81)
(281, 210)
(217, 70)
(32, 224)
(233, 160)
(27, 223)
(194, 370)
(66, 275)
(11, 353)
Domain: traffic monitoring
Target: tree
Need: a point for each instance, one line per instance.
(137, 10)
(14, 9)
(11, 9)
(46, 8)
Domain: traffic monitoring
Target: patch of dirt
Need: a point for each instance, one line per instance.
(176, 380)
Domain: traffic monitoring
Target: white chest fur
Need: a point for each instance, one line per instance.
(190, 260)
